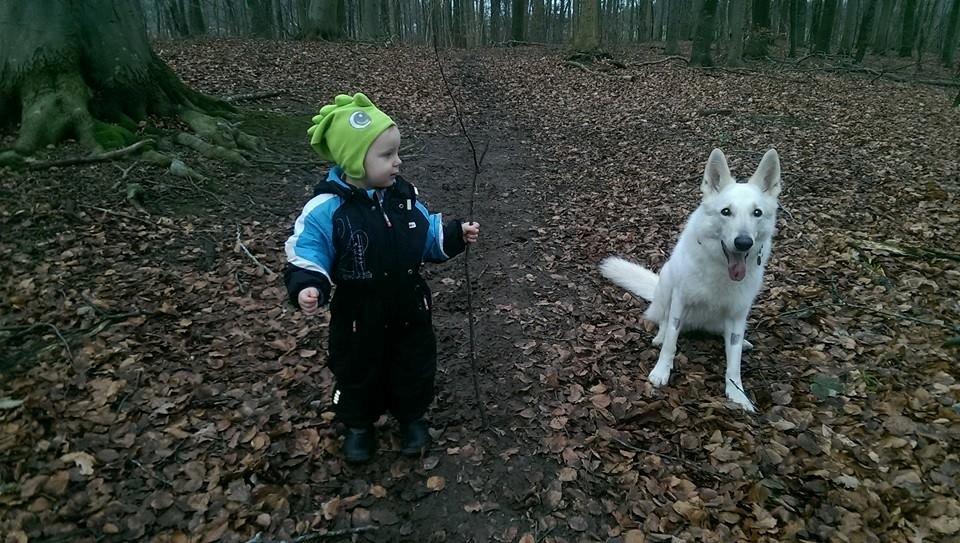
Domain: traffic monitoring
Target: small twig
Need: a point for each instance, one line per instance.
(23, 329)
(696, 466)
(916, 252)
(40, 164)
(661, 61)
(131, 393)
(579, 65)
(263, 267)
(120, 214)
(150, 473)
(253, 96)
(305, 538)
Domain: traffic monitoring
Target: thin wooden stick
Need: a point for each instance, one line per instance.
(466, 256)
(263, 267)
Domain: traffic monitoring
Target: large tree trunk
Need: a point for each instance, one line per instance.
(586, 39)
(798, 23)
(950, 40)
(673, 27)
(849, 26)
(496, 20)
(738, 18)
(370, 19)
(70, 68)
(866, 26)
(325, 20)
(703, 41)
(537, 21)
(261, 18)
(195, 20)
(907, 34)
(825, 27)
(519, 21)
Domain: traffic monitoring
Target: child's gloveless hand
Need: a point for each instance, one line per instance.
(309, 299)
(471, 231)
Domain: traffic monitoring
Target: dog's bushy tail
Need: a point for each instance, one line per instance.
(630, 276)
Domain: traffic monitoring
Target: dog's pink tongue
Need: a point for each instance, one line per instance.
(737, 267)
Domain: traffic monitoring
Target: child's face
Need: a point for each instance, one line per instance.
(382, 162)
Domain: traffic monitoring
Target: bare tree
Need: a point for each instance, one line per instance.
(518, 23)
(703, 41)
(948, 53)
(673, 26)
(907, 34)
(866, 27)
(586, 38)
(738, 18)
(325, 19)
(825, 27)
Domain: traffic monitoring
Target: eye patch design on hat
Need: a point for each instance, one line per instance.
(343, 131)
(360, 120)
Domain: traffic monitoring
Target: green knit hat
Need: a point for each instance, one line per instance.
(345, 129)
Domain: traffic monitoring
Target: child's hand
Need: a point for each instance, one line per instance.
(471, 231)
(309, 298)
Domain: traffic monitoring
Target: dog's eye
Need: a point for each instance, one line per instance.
(725, 212)
(757, 212)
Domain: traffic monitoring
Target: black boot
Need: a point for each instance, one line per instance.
(414, 437)
(358, 444)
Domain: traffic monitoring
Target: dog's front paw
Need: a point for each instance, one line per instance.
(659, 375)
(738, 397)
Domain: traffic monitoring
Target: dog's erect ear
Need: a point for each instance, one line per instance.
(716, 175)
(767, 176)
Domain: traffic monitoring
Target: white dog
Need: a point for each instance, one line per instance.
(715, 270)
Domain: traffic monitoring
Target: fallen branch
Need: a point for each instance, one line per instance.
(579, 65)
(120, 214)
(698, 466)
(21, 330)
(916, 252)
(316, 536)
(100, 157)
(263, 267)
(661, 61)
(253, 95)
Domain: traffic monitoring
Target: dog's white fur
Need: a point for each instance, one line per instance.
(709, 283)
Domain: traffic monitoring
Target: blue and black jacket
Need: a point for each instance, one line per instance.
(373, 240)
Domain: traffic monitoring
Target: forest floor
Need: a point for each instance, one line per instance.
(155, 384)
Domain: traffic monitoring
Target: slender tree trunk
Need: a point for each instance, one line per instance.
(496, 20)
(866, 28)
(849, 26)
(948, 54)
(178, 18)
(798, 22)
(537, 21)
(324, 20)
(587, 36)
(881, 41)
(825, 27)
(69, 68)
(907, 35)
(738, 18)
(673, 27)
(195, 20)
(261, 20)
(518, 23)
(703, 41)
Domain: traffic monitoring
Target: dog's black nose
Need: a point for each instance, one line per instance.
(743, 243)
